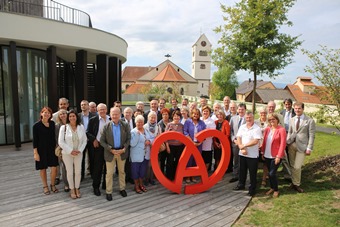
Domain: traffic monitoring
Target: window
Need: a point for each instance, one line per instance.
(202, 66)
(203, 53)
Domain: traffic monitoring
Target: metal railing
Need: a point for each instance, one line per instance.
(47, 9)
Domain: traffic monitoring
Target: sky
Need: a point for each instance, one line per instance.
(154, 28)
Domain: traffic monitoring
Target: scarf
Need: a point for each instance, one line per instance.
(152, 127)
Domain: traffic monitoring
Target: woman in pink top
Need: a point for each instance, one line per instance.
(272, 150)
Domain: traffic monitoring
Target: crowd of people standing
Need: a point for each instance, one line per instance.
(101, 145)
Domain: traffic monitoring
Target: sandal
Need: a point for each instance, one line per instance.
(54, 189)
(78, 193)
(46, 190)
(270, 191)
(276, 194)
(138, 191)
(73, 194)
(143, 188)
(66, 189)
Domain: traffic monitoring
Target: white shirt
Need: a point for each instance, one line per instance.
(102, 122)
(247, 135)
(268, 148)
(207, 143)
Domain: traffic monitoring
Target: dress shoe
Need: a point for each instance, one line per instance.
(298, 189)
(123, 193)
(109, 197)
(237, 188)
(234, 179)
(251, 193)
(96, 191)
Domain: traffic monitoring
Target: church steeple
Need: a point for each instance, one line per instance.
(201, 64)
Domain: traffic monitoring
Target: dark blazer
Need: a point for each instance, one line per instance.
(81, 116)
(107, 140)
(92, 128)
(145, 115)
(283, 113)
(133, 122)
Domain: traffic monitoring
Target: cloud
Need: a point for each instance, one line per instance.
(153, 28)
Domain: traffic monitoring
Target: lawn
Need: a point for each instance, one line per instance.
(318, 206)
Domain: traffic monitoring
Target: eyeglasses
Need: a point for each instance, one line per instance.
(272, 119)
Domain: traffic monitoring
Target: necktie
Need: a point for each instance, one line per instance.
(298, 124)
(239, 123)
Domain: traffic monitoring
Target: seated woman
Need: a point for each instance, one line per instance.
(140, 144)
(73, 142)
(273, 150)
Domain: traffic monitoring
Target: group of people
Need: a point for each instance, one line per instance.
(275, 138)
(121, 142)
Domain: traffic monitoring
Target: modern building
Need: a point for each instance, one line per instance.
(48, 51)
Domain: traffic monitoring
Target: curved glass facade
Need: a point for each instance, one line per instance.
(32, 92)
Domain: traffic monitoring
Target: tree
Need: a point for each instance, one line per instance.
(224, 83)
(251, 39)
(326, 68)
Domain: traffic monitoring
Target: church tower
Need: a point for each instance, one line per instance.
(201, 64)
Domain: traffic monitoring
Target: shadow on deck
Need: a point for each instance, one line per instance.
(23, 203)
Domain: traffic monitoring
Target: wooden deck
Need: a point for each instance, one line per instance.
(22, 202)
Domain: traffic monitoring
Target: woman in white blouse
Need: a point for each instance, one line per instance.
(73, 146)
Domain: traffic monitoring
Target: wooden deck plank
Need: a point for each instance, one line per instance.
(22, 202)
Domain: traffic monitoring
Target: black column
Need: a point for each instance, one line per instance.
(15, 95)
(115, 86)
(52, 88)
(101, 80)
(81, 78)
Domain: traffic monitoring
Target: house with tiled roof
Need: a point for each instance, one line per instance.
(265, 95)
(247, 86)
(167, 73)
(131, 74)
(304, 90)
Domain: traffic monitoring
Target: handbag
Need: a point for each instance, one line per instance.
(58, 149)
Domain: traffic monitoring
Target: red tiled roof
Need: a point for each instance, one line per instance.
(169, 74)
(304, 78)
(133, 73)
(134, 89)
(302, 96)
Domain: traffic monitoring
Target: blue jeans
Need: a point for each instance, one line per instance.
(272, 169)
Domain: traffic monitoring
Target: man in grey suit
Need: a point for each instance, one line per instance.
(115, 139)
(300, 140)
(235, 123)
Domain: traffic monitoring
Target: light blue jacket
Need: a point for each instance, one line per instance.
(138, 151)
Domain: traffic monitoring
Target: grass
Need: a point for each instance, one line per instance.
(318, 206)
